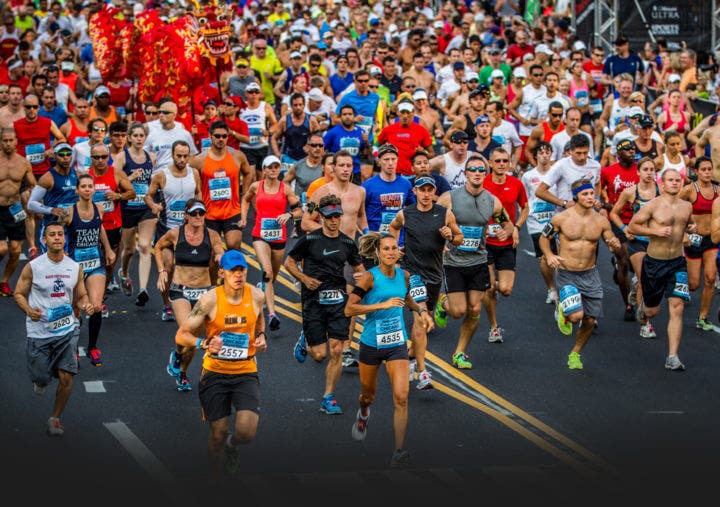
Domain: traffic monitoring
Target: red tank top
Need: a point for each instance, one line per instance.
(33, 140)
(703, 206)
(548, 133)
(267, 208)
(111, 217)
(220, 181)
(76, 135)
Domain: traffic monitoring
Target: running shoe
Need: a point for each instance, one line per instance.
(349, 360)
(183, 384)
(38, 388)
(33, 252)
(647, 331)
(167, 314)
(632, 296)
(440, 313)
(273, 322)
(495, 335)
(261, 286)
(142, 298)
(564, 325)
(413, 369)
(400, 459)
(300, 348)
(113, 285)
(95, 357)
(173, 366)
(54, 428)
(673, 363)
(574, 361)
(126, 285)
(359, 429)
(105, 311)
(552, 297)
(5, 290)
(629, 314)
(232, 458)
(329, 405)
(424, 381)
(462, 361)
(702, 323)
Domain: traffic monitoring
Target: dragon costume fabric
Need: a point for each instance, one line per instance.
(182, 58)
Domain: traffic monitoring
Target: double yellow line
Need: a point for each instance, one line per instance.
(483, 399)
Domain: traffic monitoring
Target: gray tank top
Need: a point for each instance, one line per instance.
(304, 175)
(472, 214)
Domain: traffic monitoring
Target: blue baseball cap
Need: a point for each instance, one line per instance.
(483, 118)
(425, 180)
(233, 259)
(321, 45)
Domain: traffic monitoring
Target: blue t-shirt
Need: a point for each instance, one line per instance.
(337, 138)
(338, 84)
(614, 65)
(384, 199)
(365, 106)
(58, 115)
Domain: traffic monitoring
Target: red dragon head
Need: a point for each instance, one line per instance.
(214, 29)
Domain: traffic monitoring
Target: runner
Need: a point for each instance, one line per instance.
(427, 227)
(194, 245)
(451, 164)
(232, 318)
(380, 295)
(323, 255)
(271, 198)
(579, 230)
(173, 187)
(260, 118)
(47, 290)
(88, 245)
(294, 130)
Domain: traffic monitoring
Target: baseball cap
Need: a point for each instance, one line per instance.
(621, 40)
(458, 65)
(494, 51)
(315, 94)
(101, 90)
(252, 86)
(387, 148)
(331, 209)
(210, 103)
(497, 73)
(420, 94)
(483, 118)
(233, 259)
(405, 105)
(625, 144)
(519, 72)
(635, 111)
(646, 121)
(374, 70)
(194, 205)
(321, 45)
(270, 160)
(264, 26)
(458, 136)
(296, 54)
(543, 48)
(242, 61)
(238, 101)
(438, 24)
(674, 78)
(469, 76)
(61, 147)
(579, 45)
(528, 56)
(425, 180)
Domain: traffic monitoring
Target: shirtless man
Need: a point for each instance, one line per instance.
(13, 110)
(429, 117)
(665, 220)
(352, 222)
(14, 169)
(579, 229)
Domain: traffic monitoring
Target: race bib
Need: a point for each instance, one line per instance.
(176, 211)
(205, 143)
(387, 218)
(100, 199)
(418, 291)
(286, 163)
(330, 297)
(351, 145)
(543, 211)
(681, 289)
(581, 96)
(389, 332)
(494, 229)
(472, 238)
(192, 294)
(219, 189)
(234, 346)
(35, 153)
(596, 105)
(17, 212)
(140, 193)
(88, 258)
(695, 239)
(270, 229)
(60, 319)
(570, 299)
(255, 135)
(366, 125)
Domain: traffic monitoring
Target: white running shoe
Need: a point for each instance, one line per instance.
(647, 331)
(424, 380)
(552, 297)
(413, 369)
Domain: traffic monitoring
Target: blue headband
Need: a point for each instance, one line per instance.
(585, 186)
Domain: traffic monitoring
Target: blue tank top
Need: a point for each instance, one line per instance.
(385, 328)
(63, 193)
(84, 241)
(296, 137)
(140, 184)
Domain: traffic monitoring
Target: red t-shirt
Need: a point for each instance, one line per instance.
(406, 140)
(616, 178)
(595, 73)
(511, 192)
(515, 51)
(237, 125)
(112, 218)
(33, 140)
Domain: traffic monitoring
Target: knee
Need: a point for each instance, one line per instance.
(144, 247)
(401, 401)
(3, 250)
(318, 354)
(473, 310)
(366, 400)
(245, 435)
(505, 290)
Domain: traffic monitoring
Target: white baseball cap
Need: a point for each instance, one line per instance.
(420, 94)
(674, 78)
(296, 54)
(497, 73)
(438, 24)
(635, 111)
(519, 72)
(406, 105)
(543, 48)
(471, 75)
(270, 160)
(252, 86)
(315, 94)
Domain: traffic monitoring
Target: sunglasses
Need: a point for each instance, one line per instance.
(30, 106)
(99, 157)
(363, 80)
(229, 104)
(316, 145)
(556, 115)
(463, 141)
(536, 75)
(501, 161)
(333, 215)
(99, 129)
(251, 92)
(373, 87)
(637, 100)
(165, 112)
(151, 112)
(220, 136)
(197, 213)
(476, 169)
(64, 153)
(599, 54)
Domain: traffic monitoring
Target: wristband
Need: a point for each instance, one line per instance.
(198, 343)
(623, 227)
(421, 310)
(366, 230)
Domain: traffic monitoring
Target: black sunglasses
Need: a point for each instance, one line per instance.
(99, 157)
(220, 136)
(30, 106)
(316, 145)
(196, 213)
(476, 169)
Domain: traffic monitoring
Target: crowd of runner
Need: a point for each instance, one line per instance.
(386, 155)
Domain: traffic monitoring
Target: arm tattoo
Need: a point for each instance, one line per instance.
(197, 310)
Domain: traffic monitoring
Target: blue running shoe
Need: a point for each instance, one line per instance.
(173, 366)
(329, 405)
(183, 384)
(300, 349)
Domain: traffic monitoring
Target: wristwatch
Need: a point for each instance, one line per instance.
(564, 203)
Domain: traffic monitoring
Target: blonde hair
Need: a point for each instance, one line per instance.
(369, 244)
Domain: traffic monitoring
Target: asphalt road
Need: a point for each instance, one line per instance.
(518, 426)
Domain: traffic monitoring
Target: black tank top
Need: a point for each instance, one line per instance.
(423, 242)
(469, 126)
(193, 256)
(652, 152)
(296, 137)
(141, 184)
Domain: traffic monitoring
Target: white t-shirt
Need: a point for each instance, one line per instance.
(565, 172)
(530, 94)
(541, 105)
(541, 212)
(560, 139)
(506, 135)
(160, 141)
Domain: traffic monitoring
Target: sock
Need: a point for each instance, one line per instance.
(94, 324)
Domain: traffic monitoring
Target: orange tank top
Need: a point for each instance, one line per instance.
(236, 325)
(221, 187)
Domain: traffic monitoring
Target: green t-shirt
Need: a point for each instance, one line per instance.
(272, 66)
(485, 72)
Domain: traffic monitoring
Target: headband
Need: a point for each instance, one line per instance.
(584, 186)
(331, 209)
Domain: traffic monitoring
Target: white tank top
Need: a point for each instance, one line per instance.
(176, 193)
(52, 291)
(455, 172)
(618, 113)
(679, 167)
(257, 122)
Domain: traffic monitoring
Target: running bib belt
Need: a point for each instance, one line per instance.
(386, 220)
(106, 204)
(176, 211)
(330, 297)
(472, 238)
(255, 135)
(695, 239)
(681, 289)
(543, 211)
(494, 229)
(270, 229)
(192, 294)
(140, 192)
(17, 212)
(35, 153)
(234, 347)
(570, 299)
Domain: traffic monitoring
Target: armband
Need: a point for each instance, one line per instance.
(549, 230)
(359, 292)
(502, 216)
(623, 227)
(295, 206)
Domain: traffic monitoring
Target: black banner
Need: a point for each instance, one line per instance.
(585, 21)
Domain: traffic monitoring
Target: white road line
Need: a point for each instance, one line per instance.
(139, 451)
(665, 412)
(94, 386)
(82, 352)
(531, 254)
